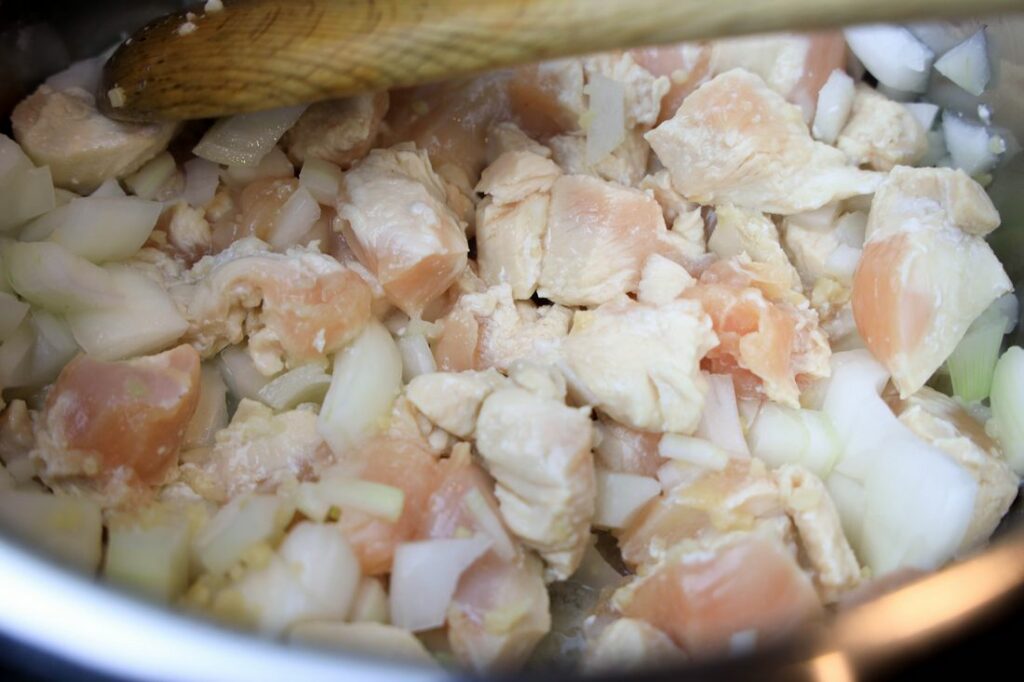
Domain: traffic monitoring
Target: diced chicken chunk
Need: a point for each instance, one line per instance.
(630, 644)
(293, 307)
(395, 219)
(736, 141)
(538, 450)
(662, 281)
(685, 64)
(65, 131)
(514, 176)
(256, 452)
(188, 232)
(116, 427)
(453, 400)
(599, 235)
(625, 450)
(926, 273)
(489, 329)
(704, 597)
(881, 133)
(808, 504)
(739, 230)
(508, 137)
(684, 218)
(17, 440)
(640, 364)
(643, 91)
(626, 164)
(943, 423)
(340, 131)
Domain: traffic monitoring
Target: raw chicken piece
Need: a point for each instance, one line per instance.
(259, 205)
(512, 221)
(599, 235)
(926, 273)
(684, 218)
(685, 64)
(115, 427)
(489, 329)
(65, 131)
(662, 281)
(702, 503)
(881, 133)
(808, 504)
(620, 448)
(340, 131)
(630, 644)
(395, 219)
(739, 230)
(17, 440)
(769, 336)
(736, 141)
(188, 232)
(704, 597)
(256, 452)
(402, 464)
(547, 98)
(626, 164)
(643, 91)
(538, 450)
(640, 364)
(942, 422)
(293, 307)
(453, 400)
(825, 243)
(508, 137)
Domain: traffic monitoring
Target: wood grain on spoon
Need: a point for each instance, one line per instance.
(259, 54)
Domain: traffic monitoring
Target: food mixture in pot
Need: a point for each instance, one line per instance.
(618, 360)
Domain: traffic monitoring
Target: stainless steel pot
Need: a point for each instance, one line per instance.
(60, 622)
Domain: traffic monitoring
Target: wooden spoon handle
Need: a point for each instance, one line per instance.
(259, 54)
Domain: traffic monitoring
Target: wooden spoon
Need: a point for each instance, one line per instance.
(260, 54)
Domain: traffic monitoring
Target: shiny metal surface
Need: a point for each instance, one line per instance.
(80, 620)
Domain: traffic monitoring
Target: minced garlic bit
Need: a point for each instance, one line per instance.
(213, 6)
(186, 28)
(116, 96)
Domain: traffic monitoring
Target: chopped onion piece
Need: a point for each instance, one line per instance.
(782, 435)
(848, 497)
(892, 54)
(274, 165)
(240, 373)
(25, 195)
(201, 180)
(151, 178)
(108, 189)
(12, 313)
(50, 276)
(621, 496)
(70, 528)
(241, 523)
(490, 524)
(606, 113)
(12, 158)
(384, 641)
(146, 320)
(693, 451)
(295, 219)
(1007, 400)
(973, 361)
(896, 95)
(835, 101)
(967, 64)
(924, 113)
(424, 576)
(417, 357)
(383, 501)
(151, 558)
(851, 227)
(37, 350)
(856, 374)
(367, 377)
(842, 263)
(211, 413)
(243, 140)
(370, 605)
(720, 421)
(98, 229)
(85, 74)
(969, 144)
(326, 566)
(305, 384)
(322, 179)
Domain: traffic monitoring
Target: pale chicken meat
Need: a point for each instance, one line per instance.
(738, 231)
(508, 137)
(943, 423)
(686, 239)
(452, 400)
(625, 450)
(926, 273)
(257, 451)
(394, 216)
(880, 133)
(640, 364)
(490, 329)
(17, 440)
(188, 232)
(625, 165)
(538, 451)
(599, 235)
(293, 307)
(64, 130)
(341, 131)
(630, 644)
(662, 281)
(820, 532)
(825, 243)
(736, 141)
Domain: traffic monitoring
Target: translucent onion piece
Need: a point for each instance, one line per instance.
(720, 421)
(12, 158)
(305, 384)
(145, 320)
(322, 179)
(488, 521)
(151, 558)
(693, 451)
(417, 357)
(15, 357)
(98, 229)
(201, 180)
(366, 379)
(25, 195)
(85, 74)
(892, 54)
(274, 165)
(377, 639)
(151, 178)
(327, 569)
(835, 100)
(925, 113)
(973, 361)
(970, 144)
(383, 501)
(370, 604)
(782, 435)
(295, 219)
(606, 114)
(53, 347)
(967, 64)
(1007, 400)
(424, 576)
(70, 528)
(51, 276)
(108, 189)
(243, 522)
(240, 373)
(12, 313)
(243, 140)
(621, 496)
(211, 413)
